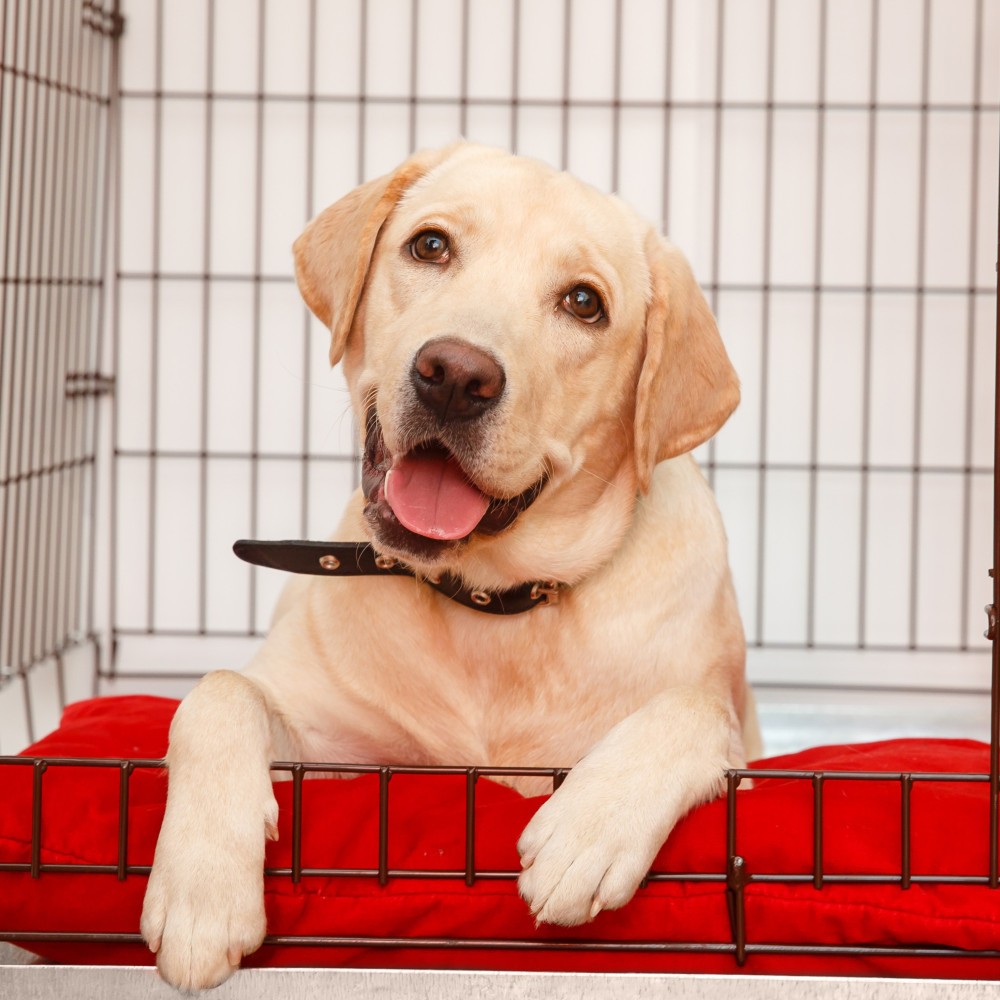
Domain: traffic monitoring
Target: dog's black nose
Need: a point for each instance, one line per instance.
(456, 380)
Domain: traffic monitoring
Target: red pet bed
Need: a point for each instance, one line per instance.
(791, 926)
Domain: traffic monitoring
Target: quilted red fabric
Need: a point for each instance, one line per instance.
(861, 834)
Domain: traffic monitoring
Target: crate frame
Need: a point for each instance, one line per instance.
(89, 382)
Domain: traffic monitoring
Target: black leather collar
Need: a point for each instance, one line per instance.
(359, 559)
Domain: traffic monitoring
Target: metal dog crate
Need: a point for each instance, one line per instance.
(830, 168)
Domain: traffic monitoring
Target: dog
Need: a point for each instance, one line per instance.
(530, 365)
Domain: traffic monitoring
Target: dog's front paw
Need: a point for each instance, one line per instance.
(591, 844)
(204, 905)
(580, 855)
(202, 916)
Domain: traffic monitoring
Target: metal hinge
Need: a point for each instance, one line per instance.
(89, 384)
(109, 23)
(991, 615)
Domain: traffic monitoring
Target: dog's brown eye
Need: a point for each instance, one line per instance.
(430, 245)
(584, 303)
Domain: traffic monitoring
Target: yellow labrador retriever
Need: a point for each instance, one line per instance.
(530, 363)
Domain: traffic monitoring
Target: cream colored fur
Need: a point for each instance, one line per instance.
(635, 679)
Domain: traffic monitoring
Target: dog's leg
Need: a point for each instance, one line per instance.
(204, 906)
(590, 845)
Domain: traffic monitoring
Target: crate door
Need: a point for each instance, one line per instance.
(56, 95)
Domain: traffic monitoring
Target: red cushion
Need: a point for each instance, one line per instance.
(861, 834)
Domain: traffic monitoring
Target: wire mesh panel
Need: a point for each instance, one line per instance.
(830, 169)
(55, 93)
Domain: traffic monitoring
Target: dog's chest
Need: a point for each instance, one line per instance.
(545, 688)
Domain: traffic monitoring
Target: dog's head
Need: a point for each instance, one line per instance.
(521, 352)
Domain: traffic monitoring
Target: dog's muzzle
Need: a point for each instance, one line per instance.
(423, 503)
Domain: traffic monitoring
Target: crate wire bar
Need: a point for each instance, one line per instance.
(736, 876)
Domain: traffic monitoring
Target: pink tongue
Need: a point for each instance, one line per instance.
(430, 495)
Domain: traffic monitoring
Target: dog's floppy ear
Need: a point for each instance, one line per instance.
(333, 253)
(687, 385)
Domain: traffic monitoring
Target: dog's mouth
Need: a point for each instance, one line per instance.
(423, 502)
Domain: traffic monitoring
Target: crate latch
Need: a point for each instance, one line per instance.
(89, 384)
(104, 20)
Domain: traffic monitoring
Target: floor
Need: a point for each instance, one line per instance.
(38, 982)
